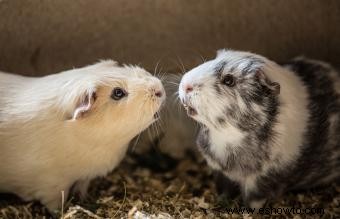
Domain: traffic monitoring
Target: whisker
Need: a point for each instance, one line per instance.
(155, 69)
(136, 142)
(202, 58)
(182, 65)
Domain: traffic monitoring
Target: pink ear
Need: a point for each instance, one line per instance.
(84, 106)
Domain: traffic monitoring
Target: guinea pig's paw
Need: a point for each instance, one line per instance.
(225, 186)
(80, 189)
(257, 204)
(53, 199)
(254, 198)
(52, 205)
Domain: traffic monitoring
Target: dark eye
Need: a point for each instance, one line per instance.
(229, 80)
(118, 93)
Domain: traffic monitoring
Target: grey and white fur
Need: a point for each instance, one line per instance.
(266, 128)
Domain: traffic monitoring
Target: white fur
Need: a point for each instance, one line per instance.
(293, 115)
(228, 135)
(43, 151)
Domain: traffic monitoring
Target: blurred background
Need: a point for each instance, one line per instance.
(42, 37)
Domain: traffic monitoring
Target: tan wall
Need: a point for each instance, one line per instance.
(39, 37)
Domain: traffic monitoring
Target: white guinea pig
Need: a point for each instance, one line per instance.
(65, 129)
(266, 128)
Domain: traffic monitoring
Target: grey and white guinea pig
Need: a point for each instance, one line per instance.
(266, 128)
(62, 130)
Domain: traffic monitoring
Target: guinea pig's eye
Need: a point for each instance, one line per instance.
(118, 93)
(229, 80)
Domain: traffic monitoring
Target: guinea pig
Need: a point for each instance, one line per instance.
(62, 130)
(266, 128)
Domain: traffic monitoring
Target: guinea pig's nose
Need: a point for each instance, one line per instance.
(158, 93)
(188, 88)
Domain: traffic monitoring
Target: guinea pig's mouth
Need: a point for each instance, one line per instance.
(157, 115)
(190, 110)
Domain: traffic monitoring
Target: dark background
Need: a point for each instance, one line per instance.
(41, 37)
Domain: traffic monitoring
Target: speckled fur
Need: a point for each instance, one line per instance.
(263, 141)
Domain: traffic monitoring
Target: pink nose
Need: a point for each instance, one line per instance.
(188, 88)
(159, 93)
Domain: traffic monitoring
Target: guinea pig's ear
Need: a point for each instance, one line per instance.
(273, 87)
(84, 105)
